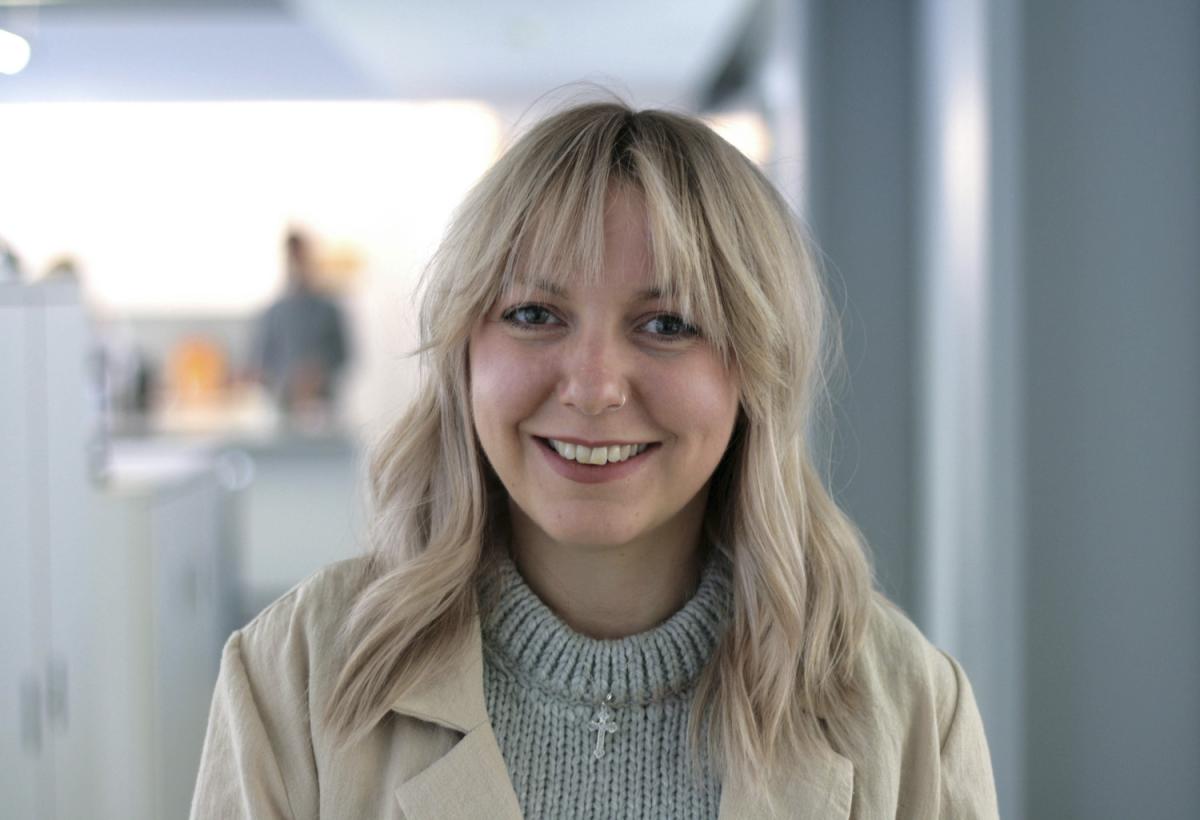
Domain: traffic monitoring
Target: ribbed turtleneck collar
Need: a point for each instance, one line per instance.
(522, 635)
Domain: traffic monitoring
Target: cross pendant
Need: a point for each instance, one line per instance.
(602, 725)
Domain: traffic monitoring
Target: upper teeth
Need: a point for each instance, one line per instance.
(596, 455)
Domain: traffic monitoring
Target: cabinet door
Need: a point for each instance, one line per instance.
(185, 533)
(74, 708)
(22, 737)
(125, 629)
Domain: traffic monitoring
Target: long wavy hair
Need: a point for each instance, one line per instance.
(728, 250)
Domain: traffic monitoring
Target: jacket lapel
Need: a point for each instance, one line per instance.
(470, 780)
(455, 698)
(819, 786)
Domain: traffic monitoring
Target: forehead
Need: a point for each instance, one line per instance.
(636, 288)
(621, 261)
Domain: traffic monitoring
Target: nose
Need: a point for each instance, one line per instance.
(594, 377)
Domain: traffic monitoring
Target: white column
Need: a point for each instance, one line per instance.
(970, 515)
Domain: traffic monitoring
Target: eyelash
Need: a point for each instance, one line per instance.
(686, 331)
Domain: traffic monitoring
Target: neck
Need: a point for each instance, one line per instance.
(611, 591)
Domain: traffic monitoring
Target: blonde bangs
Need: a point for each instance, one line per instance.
(558, 212)
(726, 253)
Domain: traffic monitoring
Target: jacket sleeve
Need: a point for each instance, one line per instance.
(239, 775)
(967, 787)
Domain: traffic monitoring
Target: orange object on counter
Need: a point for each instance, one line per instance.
(197, 370)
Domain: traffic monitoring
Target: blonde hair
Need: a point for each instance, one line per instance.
(728, 250)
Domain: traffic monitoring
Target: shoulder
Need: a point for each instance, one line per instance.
(272, 311)
(259, 757)
(327, 592)
(921, 748)
(296, 636)
(902, 669)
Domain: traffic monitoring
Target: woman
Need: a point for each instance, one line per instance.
(606, 579)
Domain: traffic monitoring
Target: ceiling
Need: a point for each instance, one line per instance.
(510, 52)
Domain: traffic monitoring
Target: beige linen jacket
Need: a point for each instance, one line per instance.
(269, 754)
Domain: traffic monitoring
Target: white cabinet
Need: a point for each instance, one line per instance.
(50, 755)
(21, 665)
(113, 603)
(163, 621)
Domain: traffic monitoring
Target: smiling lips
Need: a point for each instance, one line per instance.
(596, 456)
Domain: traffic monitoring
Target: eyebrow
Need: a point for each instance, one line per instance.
(556, 290)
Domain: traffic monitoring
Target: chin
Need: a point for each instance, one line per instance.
(591, 539)
(601, 536)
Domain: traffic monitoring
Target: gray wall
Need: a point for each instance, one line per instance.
(860, 206)
(1112, 269)
(1105, 182)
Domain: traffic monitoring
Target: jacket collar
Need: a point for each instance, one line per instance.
(455, 699)
(471, 780)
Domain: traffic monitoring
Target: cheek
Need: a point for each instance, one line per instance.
(701, 404)
(505, 386)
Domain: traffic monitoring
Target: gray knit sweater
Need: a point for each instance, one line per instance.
(545, 685)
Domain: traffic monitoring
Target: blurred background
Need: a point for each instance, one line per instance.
(213, 214)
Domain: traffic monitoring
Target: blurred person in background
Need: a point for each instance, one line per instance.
(606, 579)
(300, 345)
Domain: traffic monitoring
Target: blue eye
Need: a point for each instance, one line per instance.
(528, 316)
(670, 326)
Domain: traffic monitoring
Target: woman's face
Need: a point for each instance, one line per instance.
(563, 375)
